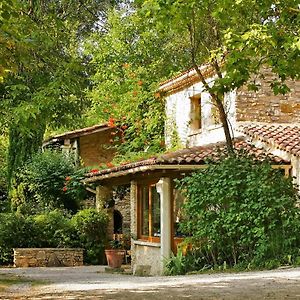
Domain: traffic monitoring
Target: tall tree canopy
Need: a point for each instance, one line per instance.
(43, 70)
(129, 62)
(234, 38)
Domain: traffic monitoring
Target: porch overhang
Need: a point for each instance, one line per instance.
(143, 169)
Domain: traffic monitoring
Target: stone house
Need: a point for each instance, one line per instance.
(93, 147)
(261, 123)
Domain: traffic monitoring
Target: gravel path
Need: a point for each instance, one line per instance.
(93, 283)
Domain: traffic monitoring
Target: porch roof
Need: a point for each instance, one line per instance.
(186, 159)
(285, 137)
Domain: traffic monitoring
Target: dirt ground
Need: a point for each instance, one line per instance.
(93, 283)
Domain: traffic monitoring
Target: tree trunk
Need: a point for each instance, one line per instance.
(223, 117)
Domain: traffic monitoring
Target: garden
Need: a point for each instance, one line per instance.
(45, 210)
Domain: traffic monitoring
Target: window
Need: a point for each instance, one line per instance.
(195, 112)
(215, 115)
(149, 212)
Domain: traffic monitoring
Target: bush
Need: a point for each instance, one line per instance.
(41, 184)
(52, 229)
(87, 229)
(240, 211)
(91, 227)
(15, 231)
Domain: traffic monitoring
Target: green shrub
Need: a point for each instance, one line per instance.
(52, 228)
(87, 229)
(240, 211)
(15, 231)
(91, 227)
(40, 185)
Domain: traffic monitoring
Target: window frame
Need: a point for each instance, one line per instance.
(196, 113)
(140, 235)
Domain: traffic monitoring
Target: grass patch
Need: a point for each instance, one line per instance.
(8, 280)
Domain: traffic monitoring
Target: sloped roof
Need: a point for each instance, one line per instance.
(185, 79)
(184, 157)
(78, 132)
(285, 137)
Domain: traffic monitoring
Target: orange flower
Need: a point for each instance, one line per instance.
(94, 171)
(68, 178)
(65, 188)
(140, 82)
(111, 122)
(134, 93)
(126, 65)
(157, 95)
(124, 127)
(109, 165)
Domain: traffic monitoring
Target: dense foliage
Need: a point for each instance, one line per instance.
(257, 33)
(49, 180)
(240, 211)
(86, 230)
(43, 72)
(129, 61)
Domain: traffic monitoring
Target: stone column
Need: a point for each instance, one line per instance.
(295, 162)
(133, 221)
(66, 147)
(104, 193)
(164, 189)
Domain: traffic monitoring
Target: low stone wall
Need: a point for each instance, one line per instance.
(48, 257)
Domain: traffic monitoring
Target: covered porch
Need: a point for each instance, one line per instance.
(154, 201)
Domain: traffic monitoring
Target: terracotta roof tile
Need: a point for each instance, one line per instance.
(285, 137)
(192, 156)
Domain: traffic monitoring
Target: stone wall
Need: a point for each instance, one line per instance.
(123, 206)
(264, 106)
(147, 259)
(95, 148)
(48, 257)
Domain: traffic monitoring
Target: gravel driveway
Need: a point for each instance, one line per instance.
(92, 282)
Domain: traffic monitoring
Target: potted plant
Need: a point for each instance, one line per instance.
(115, 254)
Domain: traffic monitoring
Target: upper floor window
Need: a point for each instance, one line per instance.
(215, 115)
(195, 112)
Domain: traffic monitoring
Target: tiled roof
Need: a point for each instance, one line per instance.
(78, 132)
(283, 136)
(191, 156)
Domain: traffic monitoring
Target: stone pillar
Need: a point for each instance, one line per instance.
(164, 189)
(295, 162)
(103, 194)
(133, 221)
(66, 147)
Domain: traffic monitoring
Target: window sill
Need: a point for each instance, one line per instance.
(144, 243)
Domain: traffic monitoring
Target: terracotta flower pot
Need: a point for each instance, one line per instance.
(115, 257)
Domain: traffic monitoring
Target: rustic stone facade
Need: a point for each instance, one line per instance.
(94, 149)
(123, 206)
(264, 106)
(48, 257)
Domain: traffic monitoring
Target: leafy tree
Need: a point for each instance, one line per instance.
(241, 211)
(45, 71)
(129, 62)
(47, 181)
(234, 39)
